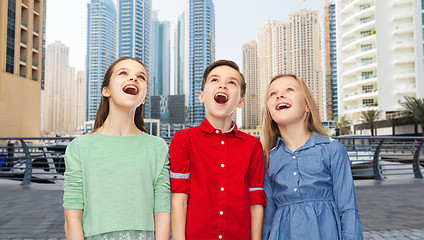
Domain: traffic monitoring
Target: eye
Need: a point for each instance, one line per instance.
(290, 89)
(122, 73)
(234, 83)
(213, 80)
(272, 94)
(141, 77)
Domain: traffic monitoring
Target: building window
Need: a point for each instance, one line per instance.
(365, 20)
(10, 45)
(365, 33)
(366, 47)
(366, 61)
(365, 6)
(367, 75)
(368, 102)
(367, 88)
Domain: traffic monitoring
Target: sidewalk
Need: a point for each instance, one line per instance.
(392, 209)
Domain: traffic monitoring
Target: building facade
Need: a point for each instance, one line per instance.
(330, 62)
(22, 33)
(380, 60)
(181, 56)
(201, 52)
(160, 77)
(250, 110)
(101, 49)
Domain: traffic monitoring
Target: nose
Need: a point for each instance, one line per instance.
(133, 79)
(222, 86)
(282, 96)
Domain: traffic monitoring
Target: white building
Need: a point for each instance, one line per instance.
(380, 54)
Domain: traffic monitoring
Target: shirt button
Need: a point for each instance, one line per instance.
(221, 213)
(222, 189)
(222, 165)
(295, 189)
(220, 236)
(217, 131)
(294, 157)
(222, 142)
(295, 173)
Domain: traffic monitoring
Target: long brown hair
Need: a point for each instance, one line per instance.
(103, 110)
(270, 130)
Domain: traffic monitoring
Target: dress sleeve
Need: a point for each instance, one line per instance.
(161, 188)
(256, 176)
(180, 163)
(73, 185)
(344, 193)
(270, 208)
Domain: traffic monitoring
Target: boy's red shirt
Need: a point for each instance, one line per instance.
(222, 173)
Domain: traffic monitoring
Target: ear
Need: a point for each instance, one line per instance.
(201, 100)
(307, 109)
(240, 103)
(106, 92)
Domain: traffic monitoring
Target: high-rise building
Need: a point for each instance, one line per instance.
(330, 61)
(160, 77)
(201, 52)
(78, 99)
(135, 36)
(169, 108)
(22, 33)
(272, 56)
(181, 56)
(304, 46)
(380, 54)
(58, 117)
(250, 110)
(101, 49)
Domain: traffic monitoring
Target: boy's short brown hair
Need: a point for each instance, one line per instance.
(230, 64)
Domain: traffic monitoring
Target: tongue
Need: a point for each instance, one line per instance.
(131, 91)
(220, 99)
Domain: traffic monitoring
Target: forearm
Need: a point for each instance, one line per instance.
(162, 225)
(179, 215)
(73, 225)
(257, 215)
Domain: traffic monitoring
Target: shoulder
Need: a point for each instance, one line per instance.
(183, 135)
(247, 137)
(154, 141)
(80, 140)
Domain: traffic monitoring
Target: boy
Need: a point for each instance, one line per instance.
(216, 170)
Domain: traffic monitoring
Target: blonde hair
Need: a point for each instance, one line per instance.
(270, 130)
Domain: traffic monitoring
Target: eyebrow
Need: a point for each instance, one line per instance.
(124, 68)
(216, 75)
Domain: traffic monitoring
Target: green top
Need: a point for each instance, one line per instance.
(118, 181)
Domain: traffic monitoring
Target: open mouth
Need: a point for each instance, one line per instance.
(130, 89)
(221, 98)
(282, 106)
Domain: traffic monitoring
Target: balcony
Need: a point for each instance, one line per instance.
(404, 44)
(357, 14)
(412, 88)
(360, 94)
(370, 25)
(404, 60)
(405, 75)
(358, 41)
(400, 2)
(360, 54)
(402, 16)
(364, 80)
(360, 68)
(404, 28)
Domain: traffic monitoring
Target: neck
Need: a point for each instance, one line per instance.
(223, 124)
(294, 135)
(119, 122)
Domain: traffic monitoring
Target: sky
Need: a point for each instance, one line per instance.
(236, 22)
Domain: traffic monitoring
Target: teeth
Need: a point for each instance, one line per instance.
(221, 98)
(283, 105)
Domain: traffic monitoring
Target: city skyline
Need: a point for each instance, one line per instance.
(242, 17)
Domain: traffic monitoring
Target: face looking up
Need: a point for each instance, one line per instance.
(286, 103)
(128, 85)
(221, 94)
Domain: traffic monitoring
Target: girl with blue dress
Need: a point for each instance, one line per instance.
(308, 183)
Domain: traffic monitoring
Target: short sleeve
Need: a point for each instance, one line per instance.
(161, 187)
(344, 192)
(256, 176)
(180, 162)
(73, 185)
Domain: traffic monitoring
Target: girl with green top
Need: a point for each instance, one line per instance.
(117, 177)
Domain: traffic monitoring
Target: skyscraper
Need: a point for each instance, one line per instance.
(58, 117)
(201, 52)
(380, 55)
(304, 46)
(251, 115)
(272, 56)
(330, 61)
(160, 77)
(22, 29)
(101, 49)
(135, 35)
(180, 56)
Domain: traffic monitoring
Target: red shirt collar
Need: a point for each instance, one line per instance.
(207, 127)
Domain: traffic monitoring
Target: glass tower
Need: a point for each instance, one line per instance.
(101, 49)
(201, 52)
(161, 58)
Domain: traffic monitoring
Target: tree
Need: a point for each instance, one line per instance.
(415, 106)
(342, 123)
(371, 118)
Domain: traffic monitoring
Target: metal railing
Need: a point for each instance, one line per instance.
(42, 159)
(381, 157)
(33, 159)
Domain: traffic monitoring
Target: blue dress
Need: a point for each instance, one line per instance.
(310, 192)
